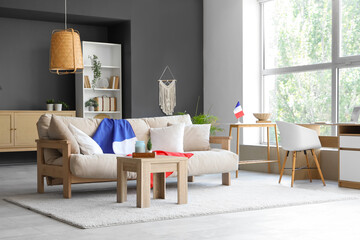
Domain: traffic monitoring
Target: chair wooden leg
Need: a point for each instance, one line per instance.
(283, 166)
(293, 169)
(318, 166)
(308, 165)
(237, 173)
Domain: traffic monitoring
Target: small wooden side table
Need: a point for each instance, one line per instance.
(259, 125)
(143, 167)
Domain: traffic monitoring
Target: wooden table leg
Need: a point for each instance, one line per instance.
(238, 148)
(182, 186)
(143, 185)
(268, 147)
(121, 183)
(277, 148)
(159, 185)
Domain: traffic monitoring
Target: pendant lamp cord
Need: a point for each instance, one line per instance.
(65, 16)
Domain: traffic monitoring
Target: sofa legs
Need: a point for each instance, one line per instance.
(191, 178)
(67, 187)
(40, 183)
(226, 179)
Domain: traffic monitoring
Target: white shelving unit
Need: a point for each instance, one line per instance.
(109, 55)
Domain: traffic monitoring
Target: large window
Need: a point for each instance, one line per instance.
(310, 60)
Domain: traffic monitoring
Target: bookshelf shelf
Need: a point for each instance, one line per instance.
(102, 89)
(97, 112)
(109, 55)
(89, 66)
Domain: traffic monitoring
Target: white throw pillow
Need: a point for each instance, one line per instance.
(170, 139)
(87, 145)
(197, 137)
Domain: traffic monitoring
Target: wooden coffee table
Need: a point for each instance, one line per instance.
(143, 167)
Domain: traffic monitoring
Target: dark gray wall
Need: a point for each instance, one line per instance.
(157, 33)
(166, 32)
(163, 32)
(25, 78)
(121, 33)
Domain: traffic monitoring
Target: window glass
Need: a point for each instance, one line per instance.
(350, 27)
(297, 32)
(349, 92)
(299, 97)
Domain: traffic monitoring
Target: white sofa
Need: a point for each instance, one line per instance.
(62, 163)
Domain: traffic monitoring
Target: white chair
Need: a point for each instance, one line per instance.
(295, 139)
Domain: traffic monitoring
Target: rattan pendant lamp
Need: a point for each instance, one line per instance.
(65, 51)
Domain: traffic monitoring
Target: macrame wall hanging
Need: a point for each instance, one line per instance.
(167, 93)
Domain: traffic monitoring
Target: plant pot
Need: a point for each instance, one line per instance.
(91, 108)
(50, 107)
(58, 107)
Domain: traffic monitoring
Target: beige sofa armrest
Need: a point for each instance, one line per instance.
(224, 141)
(45, 170)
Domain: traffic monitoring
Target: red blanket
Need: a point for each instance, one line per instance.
(174, 154)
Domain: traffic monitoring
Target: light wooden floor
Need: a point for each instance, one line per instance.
(334, 220)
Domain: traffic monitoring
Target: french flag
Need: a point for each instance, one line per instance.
(238, 111)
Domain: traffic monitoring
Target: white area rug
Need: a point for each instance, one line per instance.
(206, 196)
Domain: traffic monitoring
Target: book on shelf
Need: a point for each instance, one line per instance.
(112, 82)
(86, 82)
(117, 81)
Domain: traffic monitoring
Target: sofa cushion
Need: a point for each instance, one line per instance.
(141, 129)
(197, 137)
(104, 165)
(87, 125)
(59, 131)
(50, 155)
(158, 122)
(169, 139)
(87, 145)
(95, 166)
(212, 161)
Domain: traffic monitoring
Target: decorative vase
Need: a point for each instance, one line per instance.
(50, 107)
(91, 108)
(58, 107)
(102, 83)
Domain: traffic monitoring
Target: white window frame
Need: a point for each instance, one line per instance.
(337, 62)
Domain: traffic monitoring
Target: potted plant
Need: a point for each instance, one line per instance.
(204, 119)
(92, 104)
(149, 146)
(59, 105)
(50, 104)
(65, 106)
(96, 68)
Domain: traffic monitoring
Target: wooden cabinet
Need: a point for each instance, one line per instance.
(18, 129)
(109, 54)
(349, 156)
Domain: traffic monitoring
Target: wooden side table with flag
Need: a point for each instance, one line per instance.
(238, 114)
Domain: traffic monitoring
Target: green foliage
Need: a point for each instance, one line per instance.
(301, 35)
(207, 119)
(91, 102)
(65, 106)
(96, 67)
(149, 145)
(50, 101)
